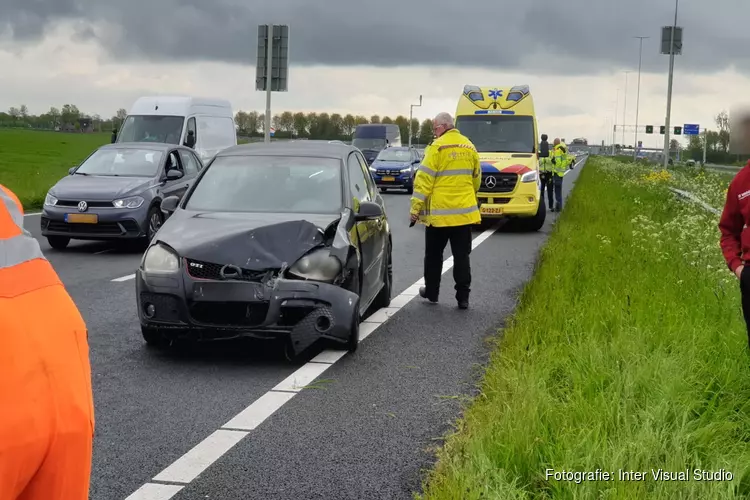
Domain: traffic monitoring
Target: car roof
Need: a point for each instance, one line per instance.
(301, 148)
(155, 146)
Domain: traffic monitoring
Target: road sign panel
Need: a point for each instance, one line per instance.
(691, 129)
(662, 130)
(272, 131)
(677, 130)
(649, 129)
(278, 73)
(666, 38)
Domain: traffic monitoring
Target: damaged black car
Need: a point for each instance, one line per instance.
(273, 241)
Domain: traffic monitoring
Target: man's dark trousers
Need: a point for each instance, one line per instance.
(436, 238)
(745, 289)
(557, 180)
(546, 181)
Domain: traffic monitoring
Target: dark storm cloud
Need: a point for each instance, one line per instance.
(576, 36)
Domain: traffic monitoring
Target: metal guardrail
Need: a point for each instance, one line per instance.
(690, 196)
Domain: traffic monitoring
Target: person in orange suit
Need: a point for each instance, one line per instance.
(46, 401)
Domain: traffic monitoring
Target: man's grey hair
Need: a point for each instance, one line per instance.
(443, 119)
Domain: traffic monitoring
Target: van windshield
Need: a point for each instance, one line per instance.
(369, 143)
(151, 128)
(499, 133)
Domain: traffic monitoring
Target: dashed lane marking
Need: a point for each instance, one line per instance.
(189, 466)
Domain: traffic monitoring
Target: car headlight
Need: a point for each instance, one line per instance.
(530, 176)
(318, 265)
(373, 170)
(160, 259)
(406, 170)
(132, 202)
(50, 200)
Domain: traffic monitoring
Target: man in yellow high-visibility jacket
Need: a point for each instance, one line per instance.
(560, 164)
(445, 199)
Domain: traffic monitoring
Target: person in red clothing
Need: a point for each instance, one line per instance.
(735, 236)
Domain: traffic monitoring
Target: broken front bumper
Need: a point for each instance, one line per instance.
(303, 311)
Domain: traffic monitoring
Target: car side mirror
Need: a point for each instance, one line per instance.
(173, 175)
(72, 170)
(169, 204)
(368, 210)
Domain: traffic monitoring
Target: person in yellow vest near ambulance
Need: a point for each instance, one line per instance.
(545, 170)
(560, 164)
(445, 199)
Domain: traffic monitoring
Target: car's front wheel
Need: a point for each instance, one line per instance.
(383, 298)
(155, 220)
(353, 342)
(153, 337)
(58, 242)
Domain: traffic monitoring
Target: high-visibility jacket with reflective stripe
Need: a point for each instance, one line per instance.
(561, 160)
(446, 184)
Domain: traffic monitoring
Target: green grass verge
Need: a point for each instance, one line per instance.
(627, 352)
(32, 161)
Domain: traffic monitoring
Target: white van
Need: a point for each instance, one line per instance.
(206, 125)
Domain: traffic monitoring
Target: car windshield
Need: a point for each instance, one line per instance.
(499, 133)
(368, 143)
(400, 155)
(148, 128)
(125, 162)
(275, 184)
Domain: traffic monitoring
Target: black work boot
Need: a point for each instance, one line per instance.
(463, 304)
(423, 294)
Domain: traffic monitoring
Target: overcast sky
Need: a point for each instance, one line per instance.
(378, 57)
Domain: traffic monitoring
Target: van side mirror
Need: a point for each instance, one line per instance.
(190, 140)
(169, 204)
(368, 210)
(72, 170)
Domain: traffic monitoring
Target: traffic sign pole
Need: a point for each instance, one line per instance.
(269, 77)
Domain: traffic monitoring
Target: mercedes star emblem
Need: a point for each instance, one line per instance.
(82, 206)
(490, 182)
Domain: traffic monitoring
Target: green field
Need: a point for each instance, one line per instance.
(32, 161)
(627, 352)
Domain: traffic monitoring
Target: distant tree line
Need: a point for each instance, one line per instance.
(249, 124)
(717, 144)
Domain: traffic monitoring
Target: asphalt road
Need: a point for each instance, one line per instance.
(365, 428)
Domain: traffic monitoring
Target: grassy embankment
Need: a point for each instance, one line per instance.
(627, 352)
(32, 161)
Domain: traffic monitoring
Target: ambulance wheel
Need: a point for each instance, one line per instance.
(530, 224)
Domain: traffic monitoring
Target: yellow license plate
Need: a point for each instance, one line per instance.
(81, 218)
(389, 179)
(491, 210)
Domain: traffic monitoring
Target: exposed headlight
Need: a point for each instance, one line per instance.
(530, 176)
(405, 170)
(373, 170)
(132, 202)
(50, 200)
(159, 259)
(318, 265)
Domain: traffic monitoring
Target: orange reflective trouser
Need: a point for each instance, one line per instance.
(46, 404)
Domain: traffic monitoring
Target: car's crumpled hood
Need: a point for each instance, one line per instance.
(253, 241)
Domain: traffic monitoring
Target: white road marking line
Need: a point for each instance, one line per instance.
(302, 377)
(125, 278)
(105, 251)
(262, 408)
(191, 464)
(151, 491)
(32, 214)
(186, 468)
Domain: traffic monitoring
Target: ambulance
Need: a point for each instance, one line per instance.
(501, 123)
